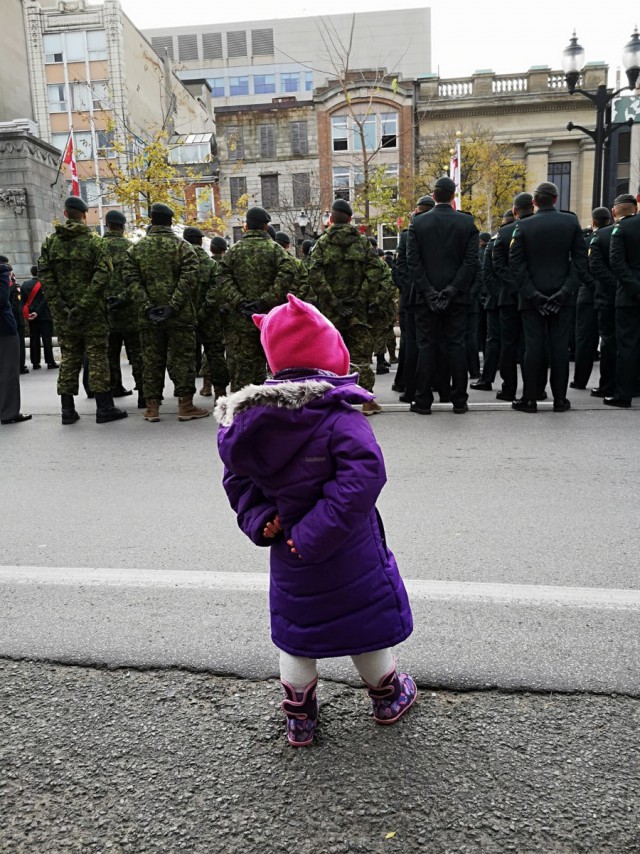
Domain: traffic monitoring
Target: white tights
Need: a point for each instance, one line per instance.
(299, 672)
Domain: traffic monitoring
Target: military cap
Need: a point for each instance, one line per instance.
(219, 243)
(257, 214)
(372, 241)
(306, 246)
(625, 199)
(547, 189)
(115, 218)
(484, 236)
(161, 208)
(75, 203)
(282, 238)
(192, 233)
(523, 200)
(426, 202)
(601, 213)
(342, 206)
(445, 183)
(272, 232)
(4, 259)
(508, 214)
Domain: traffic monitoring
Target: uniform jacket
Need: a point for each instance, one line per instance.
(125, 317)
(39, 304)
(508, 294)
(162, 269)
(8, 326)
(624, 256)
(206, 267)
(15, 298)
(442, 251)
(490, 281)
(587, 289)
(548, 254)
(400, 272)
(600, 268)
(344, 266)
(300, 450)
(256, 268)
(75, 271)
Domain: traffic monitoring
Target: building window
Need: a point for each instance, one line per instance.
(560, 175)
(97, 44)
(53, 49)
(389, 239)
(90, 192)
(238, 233)
(262, 42)
(59, 140)
(290, 82)
(188, 47)
(191, 152)
(389, 128)
(308, 81)
(83, 145)
(212, 46)
(364, 126)
(204, 203)
(100, 95)
(238, 86)
(301, 185)
(270, 194)
(299, 140)
(80, 97)
(57, 94)
(104, 141)
(235, 143)
(264, 84)
(237, 189)
(339, 134)
(162, 45)
(217, 87)
(341, 180)
(267, 136)
(75, 47)
(236, 43)
(391, 173)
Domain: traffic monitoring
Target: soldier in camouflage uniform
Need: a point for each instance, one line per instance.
(162, 269)
(209, 329)
(349, 283)
(302, 289)
(382, 313)
(75, 271)
(122, 311)
(255, 275)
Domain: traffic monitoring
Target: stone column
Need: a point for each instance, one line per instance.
(537, 161)
(582, 189)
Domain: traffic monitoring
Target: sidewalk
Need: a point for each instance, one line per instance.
(130, 762)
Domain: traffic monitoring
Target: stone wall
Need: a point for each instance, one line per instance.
(28, 202)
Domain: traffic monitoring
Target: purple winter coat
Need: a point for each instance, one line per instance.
(298, 449)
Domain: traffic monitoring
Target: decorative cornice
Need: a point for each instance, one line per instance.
(30, 147)
(15, 199)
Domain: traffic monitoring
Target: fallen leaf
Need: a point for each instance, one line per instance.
(391, 835)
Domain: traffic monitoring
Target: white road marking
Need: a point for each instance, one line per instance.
(254, 582)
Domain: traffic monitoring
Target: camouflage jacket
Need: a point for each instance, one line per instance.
(256, 268)
(125, 315)
(206, 266)
(303, 289)
(75, 270)
(344, 266)
(162, 269)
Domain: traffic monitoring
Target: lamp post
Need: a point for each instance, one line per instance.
(303, 221)
(326, 218)
(573, 60)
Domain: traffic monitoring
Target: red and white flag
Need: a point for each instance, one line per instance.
(454, 174)
(70, 159)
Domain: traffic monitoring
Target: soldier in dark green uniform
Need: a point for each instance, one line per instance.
(302, 289)
(121, 311)
(255, 275)
(162, 269)
(348, 281)
(75, 271)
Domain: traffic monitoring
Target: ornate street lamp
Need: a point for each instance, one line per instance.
(303, 221)
(326, 216)
(573, 61)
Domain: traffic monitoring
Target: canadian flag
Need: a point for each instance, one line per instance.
(70, 160)
(454, 174)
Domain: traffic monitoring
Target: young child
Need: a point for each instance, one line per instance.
(303, 471)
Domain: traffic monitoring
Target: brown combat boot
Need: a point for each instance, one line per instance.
(187, 411)
(371, 408)
(205, 391)
(219, 391)
(152, 412)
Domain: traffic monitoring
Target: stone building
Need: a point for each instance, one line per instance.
(92, 72)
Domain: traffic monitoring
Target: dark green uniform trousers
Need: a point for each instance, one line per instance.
(73, 346)
(169, 349)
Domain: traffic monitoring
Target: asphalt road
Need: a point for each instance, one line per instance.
(128, 763)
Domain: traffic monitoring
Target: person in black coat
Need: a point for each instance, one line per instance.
(9, 354)
(15, 300)
(40, 321)
(624, 257)
(491, 291)
(442, 259)
(478, 296)
(548, 259)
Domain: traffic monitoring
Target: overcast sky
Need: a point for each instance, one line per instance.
(466, 34)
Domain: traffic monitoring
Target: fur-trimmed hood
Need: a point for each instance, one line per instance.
(265, 425)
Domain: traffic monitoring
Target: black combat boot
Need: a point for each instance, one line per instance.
(69, 414)
(142, 403)
(105, 410)
(381, 365)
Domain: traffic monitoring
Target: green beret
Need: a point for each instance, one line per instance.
(115, 218)
(522, 201)
(192, 234)
(219, 243)
(342, 206)
(75, 203)
(547, 189)
(161, 208)
(282, 238)
(445, 183)
(426, 202)
(257, 214)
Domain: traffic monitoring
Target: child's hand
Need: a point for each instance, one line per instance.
(272, 529)
(294, 550)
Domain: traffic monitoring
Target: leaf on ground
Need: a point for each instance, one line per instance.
(391, 835)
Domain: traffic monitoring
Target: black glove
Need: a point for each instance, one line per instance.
(113, 303)
(159, 313)
(346, 307)
(445, 298)
(73, 314)
(539, 302)
(556, 301)
(248, 309)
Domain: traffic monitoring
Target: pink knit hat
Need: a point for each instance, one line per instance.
(297, 335)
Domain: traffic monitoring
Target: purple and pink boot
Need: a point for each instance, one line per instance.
(301, 709)
(394, 696)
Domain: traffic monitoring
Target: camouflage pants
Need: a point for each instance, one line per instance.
(168, 349)
(359, 343)
(245, 356)
(73, 346)
(216, 363)
(131, 340)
